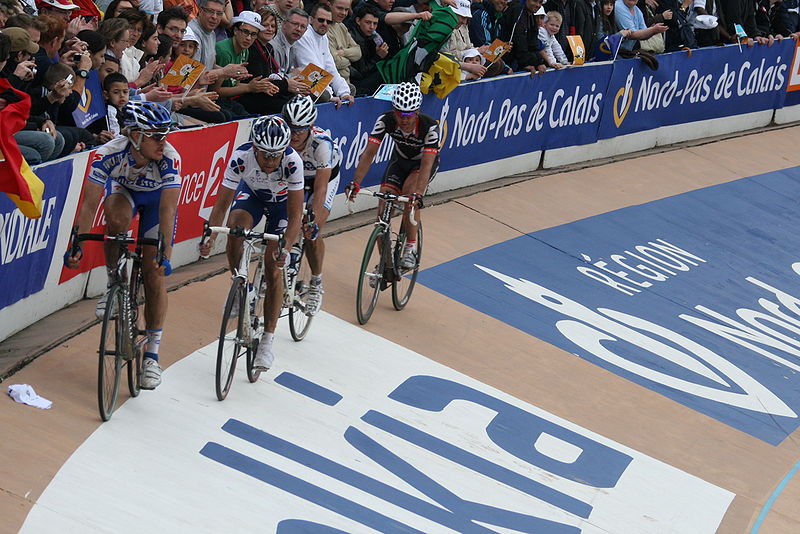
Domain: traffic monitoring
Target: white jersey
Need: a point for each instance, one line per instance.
(114, 161)
(272, 187)
(320, 152)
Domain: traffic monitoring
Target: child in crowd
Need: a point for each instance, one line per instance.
(553, 54)
(109, 66)
(606, 23)
(474, 57)
(116, 94)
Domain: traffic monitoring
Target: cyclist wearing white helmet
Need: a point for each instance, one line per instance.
(138, 171)
(321, 158)
(415, 156)
(264, 177)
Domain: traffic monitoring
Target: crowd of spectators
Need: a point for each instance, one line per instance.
(253, 50)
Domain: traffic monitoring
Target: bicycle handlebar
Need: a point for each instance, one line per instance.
(411, 200)
(241, 232)
(122, 239)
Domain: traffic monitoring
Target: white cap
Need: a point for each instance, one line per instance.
(540, 12)
(473, 52)
(706, 22)
(463, 8)
(249, 17)
(190, 35)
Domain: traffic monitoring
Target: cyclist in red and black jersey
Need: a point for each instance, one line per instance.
(415, 157)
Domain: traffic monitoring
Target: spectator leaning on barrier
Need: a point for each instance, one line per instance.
(586, 16)
(553, 53)
(630, 17)
(739, 12)
(364, 73)
(344, 49)
(707, 18)
(492, 19)
(526, 49)
(290, 32)
(313, 47)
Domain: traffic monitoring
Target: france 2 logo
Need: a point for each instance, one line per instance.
(237, 165)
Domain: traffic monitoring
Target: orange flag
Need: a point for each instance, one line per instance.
(17, 180)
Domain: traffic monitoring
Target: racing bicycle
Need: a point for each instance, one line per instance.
(122, 335)
(380, 267)
(243, 315)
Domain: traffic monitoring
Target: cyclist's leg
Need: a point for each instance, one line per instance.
(414, 184)
(119, 208)
(316, 248)
(246, 212)
(277, 220)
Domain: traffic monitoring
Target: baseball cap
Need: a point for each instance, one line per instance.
(462, 8)
(20, 40)
(190, 35)
(249, 17)
(58, 4)
(706, 22)
(473, 52)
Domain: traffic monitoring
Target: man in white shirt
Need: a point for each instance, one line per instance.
(313, 47)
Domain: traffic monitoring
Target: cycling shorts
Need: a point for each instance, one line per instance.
(399, 168)
(146, 201)
(276, 212)
(330, 193)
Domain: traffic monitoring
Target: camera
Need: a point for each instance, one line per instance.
(76, 59)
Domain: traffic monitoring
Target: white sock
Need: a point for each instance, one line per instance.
(411, 245)
(316, 279)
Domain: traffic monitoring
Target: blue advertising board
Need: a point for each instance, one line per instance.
(26, 245)
(712, 83)
(693, 296)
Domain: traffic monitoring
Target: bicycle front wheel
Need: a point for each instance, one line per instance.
(299, 322)
(370, 277)
(110, 354)
(403, 284)
(138, 332)
(231, 336)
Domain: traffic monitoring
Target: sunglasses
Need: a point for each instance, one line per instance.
(269, 154)
(405, 113)
(299, 129)
(324, 21)
(158, 135)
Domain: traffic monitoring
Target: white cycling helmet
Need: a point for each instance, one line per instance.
(407, 97)
(300, 111)
(270, 134)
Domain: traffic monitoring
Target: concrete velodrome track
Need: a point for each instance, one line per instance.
(613, 349)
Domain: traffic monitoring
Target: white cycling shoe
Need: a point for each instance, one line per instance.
(314, 298)
(264, 358)
(409, 260)
(151, 374)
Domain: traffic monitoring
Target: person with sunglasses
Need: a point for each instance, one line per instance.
(414, 160)
(138, 171)
(264, 177)
(313, 47)
(321, 159)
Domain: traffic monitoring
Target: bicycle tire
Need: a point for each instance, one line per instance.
(370, 277)
(229, 346)
(134, 365)
(109, 352)
(256, 323)
(299, 322)
(403, 284)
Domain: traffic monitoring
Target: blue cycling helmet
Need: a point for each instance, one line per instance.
(146, 116)
(270, 134)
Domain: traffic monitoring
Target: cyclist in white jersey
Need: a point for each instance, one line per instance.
(137, 171)
(321, 159)
(264, 177)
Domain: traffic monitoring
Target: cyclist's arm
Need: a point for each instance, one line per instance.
(295, 213)
(221, 206)
(320, 189)
(367, 157)
(167, 208)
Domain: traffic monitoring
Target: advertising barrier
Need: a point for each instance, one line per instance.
(490, 128)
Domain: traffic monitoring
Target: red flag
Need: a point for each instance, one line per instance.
(17, 180)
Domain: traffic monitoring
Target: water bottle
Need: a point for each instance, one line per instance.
(377, 38)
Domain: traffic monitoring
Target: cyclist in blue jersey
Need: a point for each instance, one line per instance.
(321, 159)
(137, 171)
(264, 177)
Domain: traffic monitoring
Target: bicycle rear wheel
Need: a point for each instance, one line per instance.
(370, 277)
(403, 284)
(256, 320)
(231, 335)
(299, 322)
(138, 332)
(110, 354)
